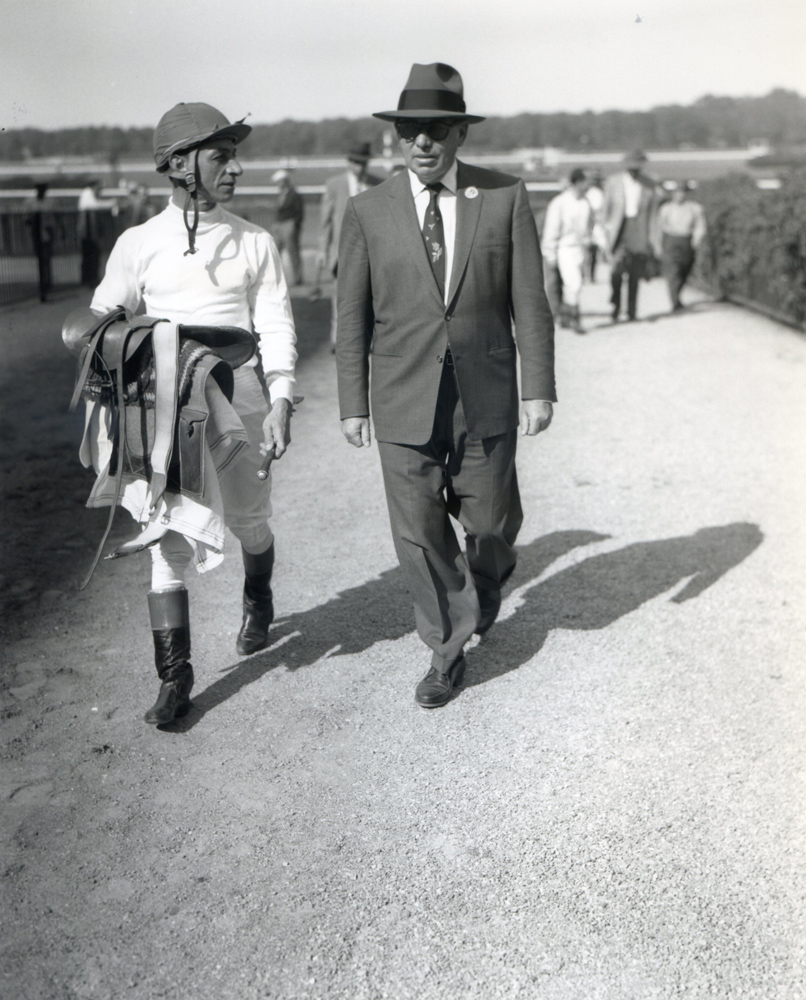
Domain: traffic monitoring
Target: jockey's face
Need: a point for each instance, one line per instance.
(217, 169)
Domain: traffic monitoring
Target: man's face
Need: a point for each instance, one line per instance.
(218, 170)
(430, 159)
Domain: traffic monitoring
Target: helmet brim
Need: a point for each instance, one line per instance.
(238, 131)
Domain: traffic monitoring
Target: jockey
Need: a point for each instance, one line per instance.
(197, 265)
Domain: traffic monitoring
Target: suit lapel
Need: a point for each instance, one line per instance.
(468, 211)
(404, 214)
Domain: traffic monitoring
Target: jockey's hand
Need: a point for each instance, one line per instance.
(277, 429)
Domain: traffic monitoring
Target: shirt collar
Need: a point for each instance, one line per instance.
(450, 180)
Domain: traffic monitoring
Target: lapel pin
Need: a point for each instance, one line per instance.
(471, 192)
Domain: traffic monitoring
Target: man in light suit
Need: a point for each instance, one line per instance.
(628, 217)
(338, 190)
(434, 265)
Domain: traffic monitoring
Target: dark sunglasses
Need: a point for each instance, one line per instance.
(436, 130)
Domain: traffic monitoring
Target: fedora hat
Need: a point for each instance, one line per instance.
(187, 126)
(432, 91)
(635, 159)
(360, 152)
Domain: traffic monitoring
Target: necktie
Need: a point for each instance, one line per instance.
(434, 235)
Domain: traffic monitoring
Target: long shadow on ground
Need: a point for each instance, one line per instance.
(598, 591)
(592, 594)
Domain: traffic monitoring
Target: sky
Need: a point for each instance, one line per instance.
(66, 63)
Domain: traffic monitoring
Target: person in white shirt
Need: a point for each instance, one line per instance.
(595, 195)
(567, 234)
(196, 263)
(91, 230)
(682, 226)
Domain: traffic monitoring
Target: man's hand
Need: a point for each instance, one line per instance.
(357, 432)
(277, 429)
(536, 415)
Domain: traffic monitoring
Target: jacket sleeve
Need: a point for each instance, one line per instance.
(355, 318)
(551, 232)
(327, 218)
(534, 326)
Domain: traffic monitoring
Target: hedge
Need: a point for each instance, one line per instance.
(755, 252)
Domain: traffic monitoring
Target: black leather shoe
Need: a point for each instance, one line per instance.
(490, 603)
(436, 688)
(173, 702)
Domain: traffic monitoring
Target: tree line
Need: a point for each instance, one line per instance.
(778, 118)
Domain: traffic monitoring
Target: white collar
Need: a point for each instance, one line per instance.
(206, 219)
(450, 180)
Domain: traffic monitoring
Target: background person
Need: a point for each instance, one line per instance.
(338, 190)
(42, 220)
(433, 265)
(682, 226)
(289, 213)
(595, 196)
(628, 217)
(140, 207)
(567, 235)
(90, 203)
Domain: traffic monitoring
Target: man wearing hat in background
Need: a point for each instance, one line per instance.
(338, 190)
(197, 264)
(434, 265)
(629, 219)
(289, 213)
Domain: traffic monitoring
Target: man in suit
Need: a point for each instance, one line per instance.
(338, 190)
(628, 217)
(433, 267)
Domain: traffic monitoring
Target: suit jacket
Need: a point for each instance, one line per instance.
(613, 209)
(334, 202)
(389, 302)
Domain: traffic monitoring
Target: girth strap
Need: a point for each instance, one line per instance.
(165, 343)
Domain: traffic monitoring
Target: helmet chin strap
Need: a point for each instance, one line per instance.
(191, 184)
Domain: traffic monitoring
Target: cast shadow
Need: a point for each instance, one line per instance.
(590, 595)
(353, 621)
(598, 591)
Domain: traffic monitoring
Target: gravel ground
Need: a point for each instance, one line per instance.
(612, 808)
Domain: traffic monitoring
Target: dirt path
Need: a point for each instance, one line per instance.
(611, 809)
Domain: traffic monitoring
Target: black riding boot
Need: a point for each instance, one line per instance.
(170, 626)
(258, 608)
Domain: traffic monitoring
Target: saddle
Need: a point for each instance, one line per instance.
(152, 376)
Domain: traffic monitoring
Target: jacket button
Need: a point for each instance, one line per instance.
(448, 317)
(439, 358)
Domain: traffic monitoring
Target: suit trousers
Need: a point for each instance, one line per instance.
(634, 266)
(677, 261)
(476, 483)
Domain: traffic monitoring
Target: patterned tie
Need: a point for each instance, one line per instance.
(434, 235)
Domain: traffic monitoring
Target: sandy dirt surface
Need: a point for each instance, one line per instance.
(612, 809)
